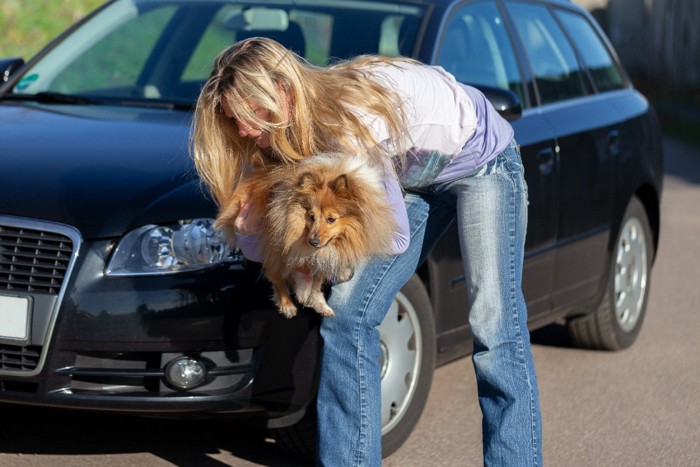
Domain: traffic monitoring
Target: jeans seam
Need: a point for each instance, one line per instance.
(361, 370)
(514, 301)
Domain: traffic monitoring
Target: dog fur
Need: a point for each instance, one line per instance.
(321, 218)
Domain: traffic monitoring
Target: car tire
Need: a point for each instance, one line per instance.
(407, 337)
(616, 322)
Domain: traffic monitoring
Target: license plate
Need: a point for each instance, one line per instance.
(14, 317)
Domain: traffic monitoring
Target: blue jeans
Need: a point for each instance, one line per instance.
(491, 210)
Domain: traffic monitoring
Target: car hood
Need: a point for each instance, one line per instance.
(103, 170)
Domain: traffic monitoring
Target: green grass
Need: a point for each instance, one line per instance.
(28, 25)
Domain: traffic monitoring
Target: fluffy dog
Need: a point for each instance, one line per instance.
(321, 218)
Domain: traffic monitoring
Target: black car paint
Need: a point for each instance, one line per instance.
(96, 149)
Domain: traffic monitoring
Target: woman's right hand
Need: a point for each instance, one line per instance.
(247, 222)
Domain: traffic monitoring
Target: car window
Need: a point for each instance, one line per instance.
(136, 50)
(476, 48)
(115, 61)
(606, 75)
(552, 59)
(321, 32)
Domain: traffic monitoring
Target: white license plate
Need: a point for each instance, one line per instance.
(14, 317)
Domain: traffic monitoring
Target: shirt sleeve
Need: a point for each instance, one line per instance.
(402, 235)
(250, 246)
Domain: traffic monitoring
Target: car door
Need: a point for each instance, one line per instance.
(476, 48)
(585, 127)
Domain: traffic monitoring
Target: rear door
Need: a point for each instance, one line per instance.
(585, 125)
(476, 47)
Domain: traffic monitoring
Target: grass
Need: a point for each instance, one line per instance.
(28, 25)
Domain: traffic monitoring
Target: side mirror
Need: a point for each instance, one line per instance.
(506, 102)
(8, 66)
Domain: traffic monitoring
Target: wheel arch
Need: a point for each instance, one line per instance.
(651, 201)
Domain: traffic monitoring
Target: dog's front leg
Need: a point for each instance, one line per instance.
(317, 300)
(302, 284)
(345, 275)
(281, 297)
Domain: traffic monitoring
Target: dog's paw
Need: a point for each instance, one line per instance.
(288, 311)
(345, 275)
(325, 311)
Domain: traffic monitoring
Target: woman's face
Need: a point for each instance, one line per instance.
(248, 129)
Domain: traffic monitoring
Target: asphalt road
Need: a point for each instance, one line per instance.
(639, 407)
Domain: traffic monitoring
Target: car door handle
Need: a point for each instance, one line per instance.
(545, 161)
(613, 140)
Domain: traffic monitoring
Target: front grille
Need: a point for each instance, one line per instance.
(33, 260)
(36, 259)
(14, 357)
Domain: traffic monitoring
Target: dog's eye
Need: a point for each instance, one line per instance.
(312, 218)
(330, 220)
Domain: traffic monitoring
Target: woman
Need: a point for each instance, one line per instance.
(453, 156)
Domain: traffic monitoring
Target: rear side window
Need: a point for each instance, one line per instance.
(606, 75)
(477, 50)
(553, 61)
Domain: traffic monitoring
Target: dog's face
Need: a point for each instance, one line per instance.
(328, 207)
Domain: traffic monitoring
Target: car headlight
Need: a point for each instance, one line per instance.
(165, 249)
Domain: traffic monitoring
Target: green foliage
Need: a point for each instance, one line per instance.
(28, 25)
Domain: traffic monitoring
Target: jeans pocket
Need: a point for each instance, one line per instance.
(423, 170)
(511, 159)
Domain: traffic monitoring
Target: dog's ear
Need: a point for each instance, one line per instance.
(308, 180)
(340, 184)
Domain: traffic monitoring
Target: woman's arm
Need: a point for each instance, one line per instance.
(248, 226)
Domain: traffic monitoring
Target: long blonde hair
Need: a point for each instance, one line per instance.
(325, 104)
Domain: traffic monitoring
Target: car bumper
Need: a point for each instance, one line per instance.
(102, 343)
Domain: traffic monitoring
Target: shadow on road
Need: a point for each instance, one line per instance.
(554, 335)
(52, 432)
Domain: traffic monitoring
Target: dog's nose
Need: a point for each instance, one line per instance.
(315, 242)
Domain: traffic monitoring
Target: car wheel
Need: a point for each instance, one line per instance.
(407, 337)
(616, 323)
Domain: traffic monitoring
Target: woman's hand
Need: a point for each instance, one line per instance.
(248, 222)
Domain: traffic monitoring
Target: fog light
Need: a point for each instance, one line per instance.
(186, 373)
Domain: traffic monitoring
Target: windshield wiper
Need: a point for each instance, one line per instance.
(154, 104)
(47, 97)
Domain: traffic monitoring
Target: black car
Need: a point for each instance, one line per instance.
(117, 294)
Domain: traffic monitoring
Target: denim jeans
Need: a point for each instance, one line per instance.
(490, 205)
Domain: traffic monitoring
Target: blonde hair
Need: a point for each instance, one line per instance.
(325, 104)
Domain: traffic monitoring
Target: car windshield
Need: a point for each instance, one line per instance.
(152, 51)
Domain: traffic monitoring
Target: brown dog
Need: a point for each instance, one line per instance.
(321, 218)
